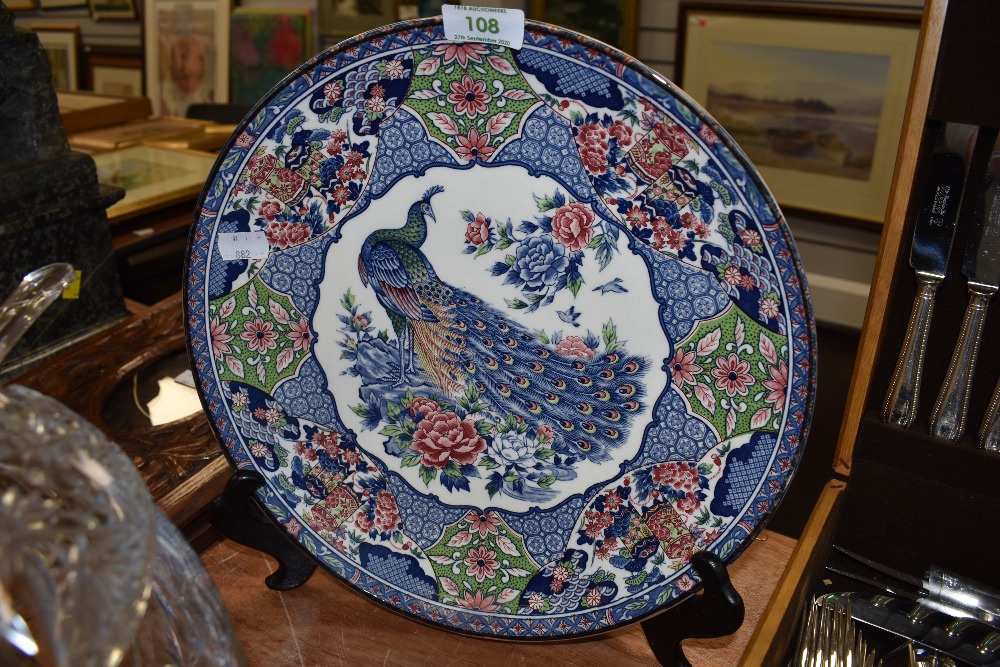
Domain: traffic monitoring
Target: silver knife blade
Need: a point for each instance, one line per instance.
(933, 232)
(938, 212)
(982, 254)
(981, 266)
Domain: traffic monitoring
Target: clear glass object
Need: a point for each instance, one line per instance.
(91, 572)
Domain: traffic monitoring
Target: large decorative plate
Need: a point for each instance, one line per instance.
(525, 332)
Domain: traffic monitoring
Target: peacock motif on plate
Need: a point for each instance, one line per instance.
(510, 334)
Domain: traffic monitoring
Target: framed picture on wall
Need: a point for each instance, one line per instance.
(341, 19)
(613, 22)
(62, 46)
(105, 10)
(187, 54)
(816, 100)
(111, 73)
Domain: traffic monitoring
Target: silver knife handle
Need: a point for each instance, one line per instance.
(989, 432)
(951, 407)
(900, 407)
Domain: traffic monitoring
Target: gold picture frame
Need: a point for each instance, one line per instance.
(816, 100)
(186, 54)
(61, 43)
(152, 177)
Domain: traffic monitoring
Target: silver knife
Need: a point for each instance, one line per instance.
(982, 268)
(932, 237)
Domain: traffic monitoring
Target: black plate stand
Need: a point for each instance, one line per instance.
(236, 514)
(716, 612)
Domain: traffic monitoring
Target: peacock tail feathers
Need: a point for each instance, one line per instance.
(589, 403)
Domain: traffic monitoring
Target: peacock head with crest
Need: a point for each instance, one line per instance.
(423, 205)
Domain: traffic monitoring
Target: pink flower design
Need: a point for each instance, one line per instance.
(477, 601)
(333, 91)
(593, 597)
(259, 449)
(272, 416)
(359, 322)
(683, 369)
(573, 225)
(327, 440)
(546, 432)
(688, 504)
(481, 563)
(732, 275)
(375, 104)
(478, 231)
(463, 52)
(338, 136)
(777, 385)
(675, 239)
(605, 551)
(443, 436)
(240, 399)
(259, 335)
(474, 146)
(593, 133)
(747, 282)
(469, 96)
(386, 512)
(300, 335)
(750, 238)
(269, 208)
(595, 158)
(364, 523)
(686, 582)
(245, 140)
(682, 476)
(341, 194)
(537, 601)
(423, 406)
(732, 375)
(573, 346)
(284, 234)
(612, 500)
(394, 69)
(220, 339)
(708, 135)
(483, 523)
(621, 132)
(637, 217)
(769, 307)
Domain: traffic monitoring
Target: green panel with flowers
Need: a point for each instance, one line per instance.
(258, 336)
(732, 372)
(472, 96)
(481, 563)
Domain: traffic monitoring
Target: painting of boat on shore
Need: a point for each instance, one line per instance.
(801, 109)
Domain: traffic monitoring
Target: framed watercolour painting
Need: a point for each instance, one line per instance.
(151, 177)
(815, 101)
(187, 54)
(62, 46)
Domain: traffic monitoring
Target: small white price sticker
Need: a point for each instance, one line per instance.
(243, 245)
(492, 25)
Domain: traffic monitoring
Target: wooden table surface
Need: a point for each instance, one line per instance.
(324, 623)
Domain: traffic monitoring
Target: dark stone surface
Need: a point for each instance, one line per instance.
(29, 110)
(52, 208)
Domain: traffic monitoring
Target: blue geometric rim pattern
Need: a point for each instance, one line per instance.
(528, 332)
